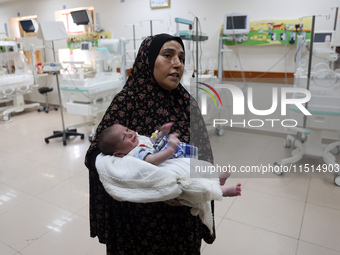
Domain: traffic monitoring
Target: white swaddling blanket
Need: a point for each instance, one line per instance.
(134, 180)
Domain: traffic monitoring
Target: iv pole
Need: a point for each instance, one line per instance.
(65, 132)
(59, 33)
(336, 18)
(309, 65)
(133, 38)
(196, 20)
(150, 21)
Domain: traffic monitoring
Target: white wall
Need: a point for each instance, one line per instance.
(116, 15)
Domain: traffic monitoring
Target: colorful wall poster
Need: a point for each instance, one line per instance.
(74, 41)
(271, 32)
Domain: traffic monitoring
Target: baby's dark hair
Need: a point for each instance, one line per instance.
(105, 142)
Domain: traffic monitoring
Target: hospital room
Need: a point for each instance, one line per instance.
(263, 78)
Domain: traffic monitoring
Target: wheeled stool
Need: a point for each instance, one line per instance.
(44, 91)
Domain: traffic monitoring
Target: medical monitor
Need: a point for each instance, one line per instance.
(82, 17)
(27, 25)
(320, 36)
(236, 23)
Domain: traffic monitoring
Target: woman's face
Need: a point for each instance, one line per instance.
(169, 65)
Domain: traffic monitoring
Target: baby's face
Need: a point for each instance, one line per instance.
(126, 139)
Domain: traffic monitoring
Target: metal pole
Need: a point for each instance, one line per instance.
(220, 60)
(34, 64)
(123, 62)
(334, 33)
(309, 65)
(299, 45)
(6, 30)
(134, 41)
(59, 94)
(54, 58)
(196, 19)
(336, 18)
(151, 26)
(60, 102)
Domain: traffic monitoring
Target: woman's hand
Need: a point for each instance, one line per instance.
(173, 202)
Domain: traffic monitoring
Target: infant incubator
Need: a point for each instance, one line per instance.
(15, 80)
(89, 82)
(323, 82)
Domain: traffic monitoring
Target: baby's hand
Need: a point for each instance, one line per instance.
(173, 141)
(165, 129)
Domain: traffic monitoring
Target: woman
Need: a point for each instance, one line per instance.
(151, 97)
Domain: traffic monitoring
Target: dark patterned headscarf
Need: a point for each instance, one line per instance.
(142, 105)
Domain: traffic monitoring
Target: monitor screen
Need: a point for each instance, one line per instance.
(27, 25)
(237, 23)
(81, 17)
(320, 36)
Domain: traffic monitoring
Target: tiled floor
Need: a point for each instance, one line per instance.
(44, 196)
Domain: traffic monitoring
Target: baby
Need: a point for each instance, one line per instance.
(120, 141)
